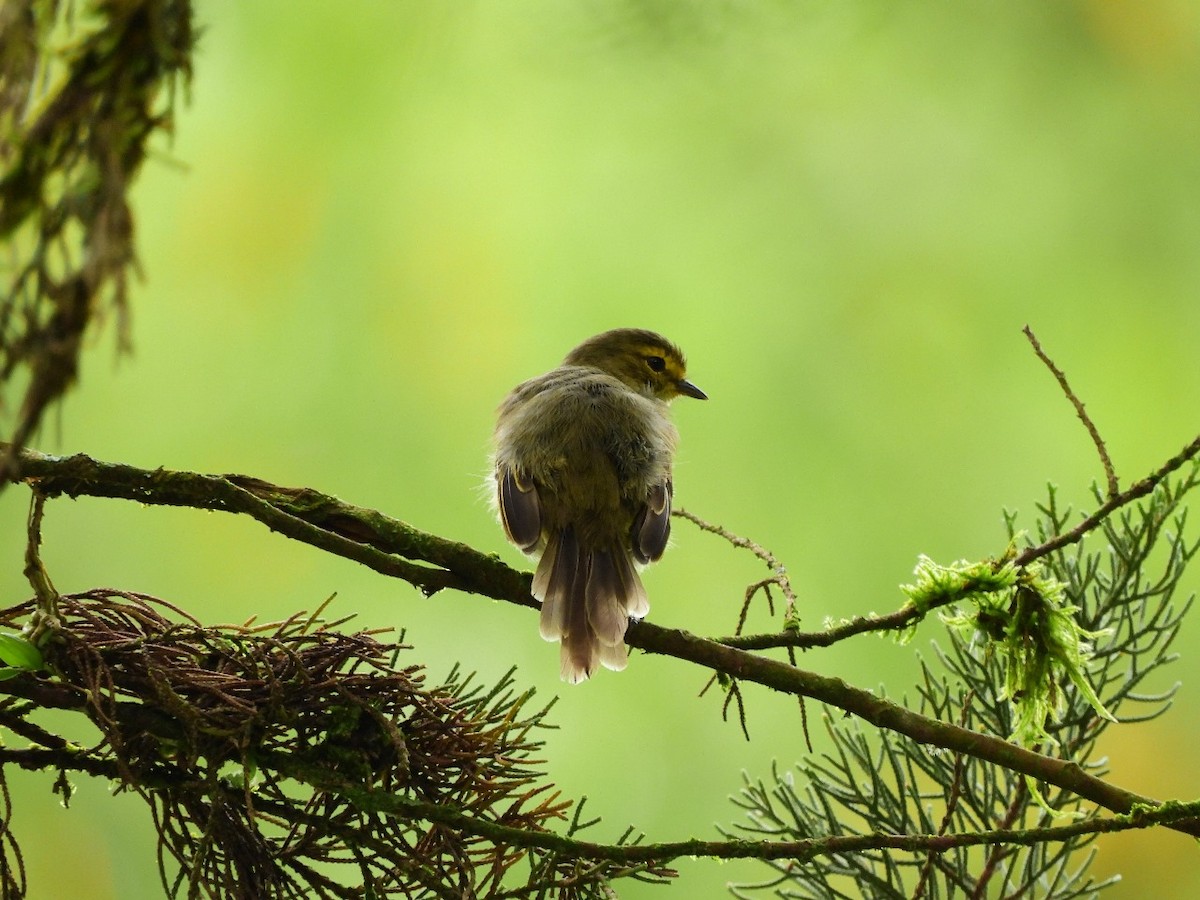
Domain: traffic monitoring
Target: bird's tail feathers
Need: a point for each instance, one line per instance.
(587, 596)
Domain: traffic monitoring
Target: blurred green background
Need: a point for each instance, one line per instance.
(376, 218)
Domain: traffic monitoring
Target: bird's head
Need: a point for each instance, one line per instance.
(645, 361)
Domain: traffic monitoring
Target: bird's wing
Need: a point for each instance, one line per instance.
(520, 509)
(652, 527)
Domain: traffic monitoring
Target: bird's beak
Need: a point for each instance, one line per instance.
(688, 389)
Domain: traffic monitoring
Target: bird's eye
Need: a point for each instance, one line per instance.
(656, 363)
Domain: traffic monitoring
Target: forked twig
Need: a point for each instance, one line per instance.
(778, 575)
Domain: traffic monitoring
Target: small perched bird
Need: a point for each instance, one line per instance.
(583, 476)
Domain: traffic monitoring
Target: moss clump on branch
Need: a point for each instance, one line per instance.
(1023, 618)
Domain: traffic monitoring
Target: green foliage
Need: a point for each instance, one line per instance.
(1023, 634)
(937, 585)
(1032, 630)
(1024, 618)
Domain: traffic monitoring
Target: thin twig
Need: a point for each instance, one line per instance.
(779, 574)
(951, 803)
(999, 851)
(1110, 474)
(628, 854)
(778, 577)
(734, 695)
(791, 654)
(893, 621)
(46, 617)
(1111, 505)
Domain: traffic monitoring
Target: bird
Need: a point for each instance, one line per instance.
(582, 471)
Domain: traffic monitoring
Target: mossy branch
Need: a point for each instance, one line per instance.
(431, 563)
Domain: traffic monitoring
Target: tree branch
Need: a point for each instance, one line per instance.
(387, 545)
(403, 807)
(363, 535)
(1172, 814)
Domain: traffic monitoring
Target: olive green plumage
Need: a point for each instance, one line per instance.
(583, 477)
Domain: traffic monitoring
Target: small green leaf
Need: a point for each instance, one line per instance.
(19, 653)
